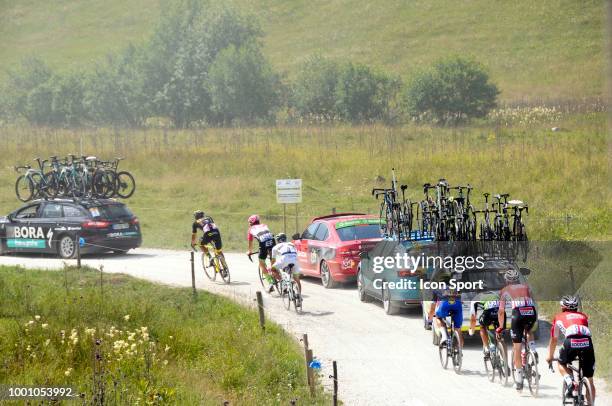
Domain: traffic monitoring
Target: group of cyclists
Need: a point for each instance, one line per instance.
(277, 249)
(569, 322)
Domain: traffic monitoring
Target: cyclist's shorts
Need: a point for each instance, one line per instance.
(265, 249)
(284, 261)
(579, 346)
(489, 317)
(454, 309)
(213, 236)
(523, 318)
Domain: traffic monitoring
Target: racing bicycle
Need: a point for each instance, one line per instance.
(289, 290)
(451, 348)
(496, 363)
(213, 264)
(582, 394)
(266, 279)
(529, 359)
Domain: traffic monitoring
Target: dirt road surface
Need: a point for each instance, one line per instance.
(382, 360)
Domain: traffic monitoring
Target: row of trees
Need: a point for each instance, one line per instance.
(205, 66)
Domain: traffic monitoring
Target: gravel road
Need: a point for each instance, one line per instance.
(382, 360)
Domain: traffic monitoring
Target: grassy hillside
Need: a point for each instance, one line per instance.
(534, 50)
(151, 341)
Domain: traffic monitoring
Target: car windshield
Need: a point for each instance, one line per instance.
(493, 277)
(110, 212)
(359, 232)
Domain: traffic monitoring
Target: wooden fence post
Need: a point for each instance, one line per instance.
(311, 380)
(193, 285)
(260, 306)
(335, 378)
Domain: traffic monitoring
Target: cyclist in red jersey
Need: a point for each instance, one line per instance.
(524, 317)
(574, 325)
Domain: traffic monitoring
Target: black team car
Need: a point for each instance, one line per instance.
(57, 226)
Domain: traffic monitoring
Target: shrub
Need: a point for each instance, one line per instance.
(363, 94)
(242, 85)
(452, 91)
(314, 91)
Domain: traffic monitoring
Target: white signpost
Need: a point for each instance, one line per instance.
(289, 191)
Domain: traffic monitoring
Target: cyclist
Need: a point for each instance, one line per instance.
(489, 316)
(447, 303)
(210, 234)
(524, 317)
(284, 254)
(574, 325)
(265, 238)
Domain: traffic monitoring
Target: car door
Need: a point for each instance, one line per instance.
(303, 245)
(318, 247)
(50, 219)
(21, 235)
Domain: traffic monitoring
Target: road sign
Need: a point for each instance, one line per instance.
(289, 191)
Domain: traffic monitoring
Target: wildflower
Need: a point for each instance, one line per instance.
(126, 317)
(28, 348)
(165, 362)
(44, 325)
(170, 337)
(131, 336)
(133, 347)
(37, 317)
(167, 348)
(47, 342)
(90, 331)
(30, 323)
(68, 372)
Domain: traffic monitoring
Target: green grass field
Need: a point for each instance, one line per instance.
(154, 341)
(534, 50)
(230, 173)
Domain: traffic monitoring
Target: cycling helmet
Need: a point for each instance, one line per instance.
(512, 276)
(254, 219)
(569, 302)
(281, 237)
(198, 214)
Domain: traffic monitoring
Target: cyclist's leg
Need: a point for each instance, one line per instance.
(297, 275)
(566, 355)
(516, 333)
(588, 368)
(458, 320)
(442, 311)
(218, 244)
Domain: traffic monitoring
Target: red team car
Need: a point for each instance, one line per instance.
(329, 247)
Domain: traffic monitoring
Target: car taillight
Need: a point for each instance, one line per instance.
(95, 224)
(404, 273)
(134, 221)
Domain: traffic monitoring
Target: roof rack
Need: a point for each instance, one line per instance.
(338, 215)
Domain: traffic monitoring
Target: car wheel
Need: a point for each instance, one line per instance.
(66, 247)
(388, 305)
(363, 296)
(326, 276)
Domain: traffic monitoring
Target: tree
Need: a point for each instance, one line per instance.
(452, 91)
(363, 94)
(242, 85)
(314, 91)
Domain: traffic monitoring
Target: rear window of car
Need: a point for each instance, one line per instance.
(110, 212)
(359, 232)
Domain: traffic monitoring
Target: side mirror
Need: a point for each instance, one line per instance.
(525, 271)
(296, 236)
(10, 217)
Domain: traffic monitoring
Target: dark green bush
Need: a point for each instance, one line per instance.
(452, 91)
(314, 90)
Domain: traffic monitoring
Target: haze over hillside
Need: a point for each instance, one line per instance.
(545, 49)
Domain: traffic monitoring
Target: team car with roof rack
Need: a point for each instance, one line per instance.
(57, 226)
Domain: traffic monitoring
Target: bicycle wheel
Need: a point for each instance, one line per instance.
(51, 186)
(223, 270)
(126, 185)
(502, 367)
(209, 269)
(457, 352)
(531, 373)
(585, 395)
(443, 352)
(297, 298)
(286, 294)
(266, 281)
(490, 365)
(24, 188)
(564, 399)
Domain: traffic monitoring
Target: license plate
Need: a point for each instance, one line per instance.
(121, 226)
